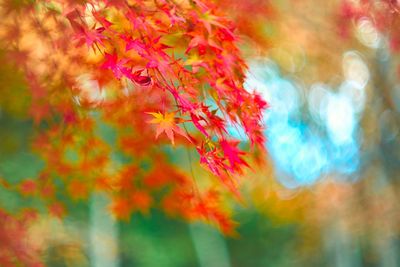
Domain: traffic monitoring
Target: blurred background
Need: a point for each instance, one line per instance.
(329, 194)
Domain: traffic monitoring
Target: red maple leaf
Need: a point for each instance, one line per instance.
(116, 66)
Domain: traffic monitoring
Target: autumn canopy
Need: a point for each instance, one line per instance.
(160, 75)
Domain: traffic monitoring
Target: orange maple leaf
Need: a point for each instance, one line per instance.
(166, 123)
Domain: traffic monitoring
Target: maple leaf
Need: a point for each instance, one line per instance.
(194, 60)
(201, 43)
(173, 16)
(209, 19)
(211, 160)
(99, 17)
(166, 123)
(233, 153)
(116, 66)
(196, 121)
(82, 33)
(135, 44)
(138, 22)
(90, 36)
(140, 79)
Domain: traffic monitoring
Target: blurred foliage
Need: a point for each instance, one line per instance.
(328, 195)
